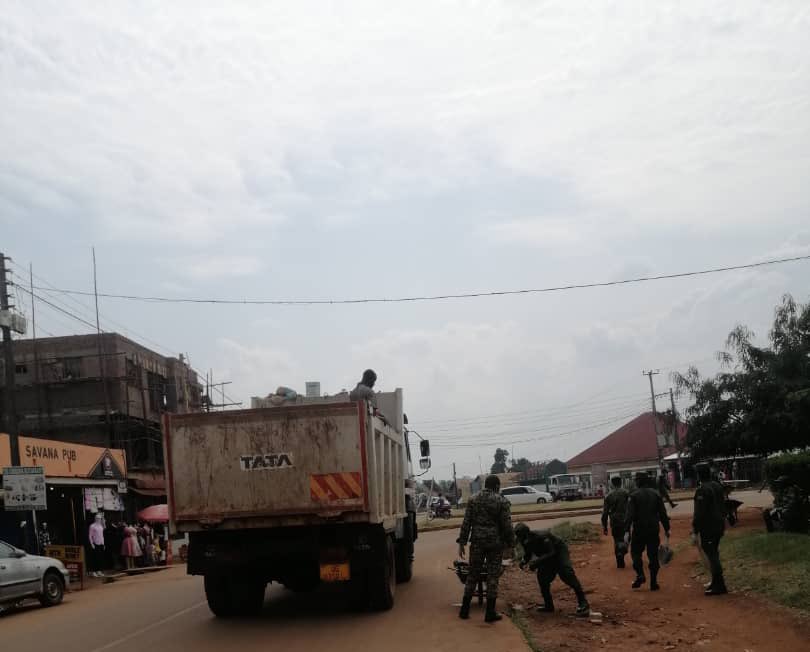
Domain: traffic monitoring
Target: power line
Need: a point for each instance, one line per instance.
(551, 412)
(534, 439)
(86, 310)
(438, 297)
(56, 307)
(549, 421)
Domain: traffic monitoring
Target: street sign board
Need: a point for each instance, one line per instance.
(24, 488)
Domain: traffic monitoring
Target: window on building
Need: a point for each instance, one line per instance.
(72, 368)
(21, 368)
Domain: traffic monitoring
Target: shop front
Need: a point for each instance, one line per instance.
(82, 481)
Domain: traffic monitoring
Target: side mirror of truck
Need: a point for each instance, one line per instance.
(404, 418)
(424, 448)
(424, 463)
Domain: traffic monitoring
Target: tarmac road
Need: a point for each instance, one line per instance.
(167, 611)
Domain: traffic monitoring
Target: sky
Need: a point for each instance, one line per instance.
(319, 150)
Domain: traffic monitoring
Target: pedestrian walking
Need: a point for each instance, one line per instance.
(615, 509)
(708, 524)
(547, 554)
(488, 526)
(645, 515)
(663, 488)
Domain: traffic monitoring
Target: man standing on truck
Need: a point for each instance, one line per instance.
(488, 526)
(615, 508)
(364, 391)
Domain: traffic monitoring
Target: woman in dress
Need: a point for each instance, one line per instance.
(130, 548)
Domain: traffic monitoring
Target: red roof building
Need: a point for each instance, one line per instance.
(633, 447)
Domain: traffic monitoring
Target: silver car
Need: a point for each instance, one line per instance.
(30, 576)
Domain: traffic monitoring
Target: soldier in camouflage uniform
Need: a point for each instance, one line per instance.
(488, 527)
(616, 509)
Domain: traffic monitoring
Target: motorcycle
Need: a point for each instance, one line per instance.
(441, 510)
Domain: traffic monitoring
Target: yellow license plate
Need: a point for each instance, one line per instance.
(335, 572)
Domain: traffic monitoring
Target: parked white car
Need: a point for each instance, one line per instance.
(526, 496)
(30, 576)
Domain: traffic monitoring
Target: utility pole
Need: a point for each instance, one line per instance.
(9, 413)
(455, 484)
(676, 438)
(650, 375)
(102, 371)
(37, 388)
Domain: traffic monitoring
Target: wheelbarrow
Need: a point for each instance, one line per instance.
(462, 571)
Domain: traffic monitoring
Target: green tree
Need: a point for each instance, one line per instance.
(520, 465)
(500, 461)
(760, 402)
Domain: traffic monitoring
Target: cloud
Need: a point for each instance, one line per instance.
(383, 150)
(543, 233)
(204, 267)
(256, 370)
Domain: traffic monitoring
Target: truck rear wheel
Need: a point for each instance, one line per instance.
(382, 579)
(229, 598)
(404, 553)
(220, 596)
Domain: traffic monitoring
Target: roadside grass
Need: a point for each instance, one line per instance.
(575, 533)
(519, 619)
(775, 564)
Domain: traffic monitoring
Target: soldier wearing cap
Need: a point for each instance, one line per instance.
(488, 526)
(708, 521)
(615, 508)
(548, 555)
(645, 515)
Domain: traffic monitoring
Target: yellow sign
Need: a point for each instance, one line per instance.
(335, 572)
(65, 553)
(73, 559)
(64, 460)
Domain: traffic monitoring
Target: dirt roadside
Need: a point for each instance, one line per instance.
(679, 617)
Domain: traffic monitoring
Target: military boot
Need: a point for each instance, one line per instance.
(464, 612)
(640, 579)
(717, 587)
(583, 608)
(548, 601)
(492, 616)
(619, 561)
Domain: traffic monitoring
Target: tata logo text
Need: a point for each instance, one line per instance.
(265, 462)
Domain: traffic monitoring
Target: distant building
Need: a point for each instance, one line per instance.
(105, 391)
(627, 450)
(540, 472)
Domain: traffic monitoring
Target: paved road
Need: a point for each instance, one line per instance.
(168, 612)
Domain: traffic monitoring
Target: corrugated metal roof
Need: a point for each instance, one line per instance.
(635, 440)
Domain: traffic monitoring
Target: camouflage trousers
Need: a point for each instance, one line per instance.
(484, 559)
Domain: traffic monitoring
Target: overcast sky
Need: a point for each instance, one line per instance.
(315, 150)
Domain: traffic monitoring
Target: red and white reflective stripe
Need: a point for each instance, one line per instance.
(327, 487)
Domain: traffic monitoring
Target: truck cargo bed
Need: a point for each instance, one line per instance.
(296, 465)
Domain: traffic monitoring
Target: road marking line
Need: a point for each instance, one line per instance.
(154, 625)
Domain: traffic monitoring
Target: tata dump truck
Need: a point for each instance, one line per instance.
(317, 491)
